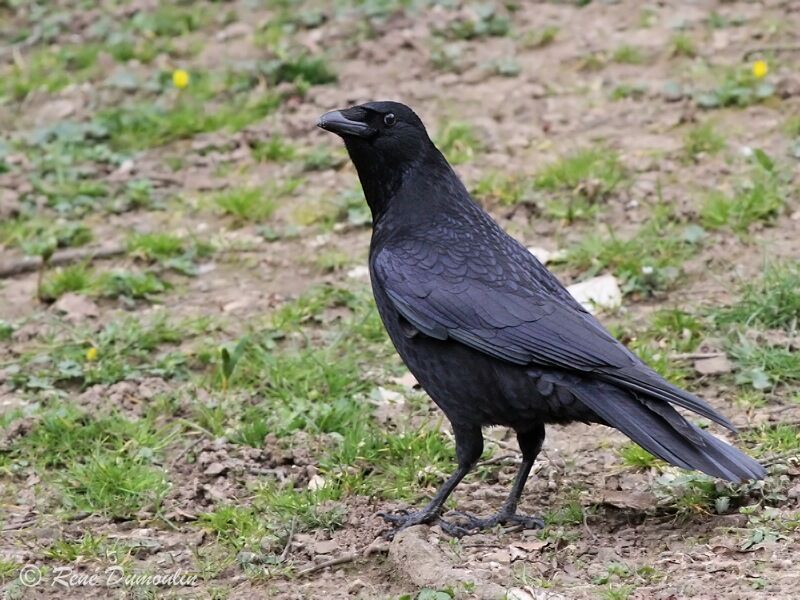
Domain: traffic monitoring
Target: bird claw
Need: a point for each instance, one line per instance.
(403, 519)
(475, 524)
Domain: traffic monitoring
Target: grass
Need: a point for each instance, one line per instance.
(459, 142)
(539, 38)
(246, 204)
(647, 262)
(588, 176)
(771, 302)
(628, 55)
(703, 139)
(506, 190)
(635, 456)
(275, 149)
(758, 198)
(49, 69)
(682, 44)
(119, 283)
(774, 439)
(127, 348)
(147, 125)
(103, 464)
(115, 486)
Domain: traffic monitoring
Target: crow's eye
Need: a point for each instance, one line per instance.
(389, 119)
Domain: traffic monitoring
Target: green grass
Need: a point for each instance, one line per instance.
(103, 464)
(73, 278)
(539, 38)
(703, 139)
(586, 176)
(69, 551)
(770, 302)
(275, 149)
(155, 246)
(758, 198)
(736, 87)
(459, 142)
(147, 125)
(115, 485)
(246, 204)
(629, 55)
(682, 44)
(506, 190)
(647, 262)
(635, 456)
(127, 348)
(764, 366)
(49, 69)
(483, 22)
(774, 439)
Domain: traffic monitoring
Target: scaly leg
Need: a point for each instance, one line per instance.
(530, 443)
(469, 446)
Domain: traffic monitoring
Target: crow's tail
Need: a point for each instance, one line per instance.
(661, 430)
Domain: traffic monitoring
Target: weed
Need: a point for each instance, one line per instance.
(629, 55)
(772, 301)
(246, 204)
(682, 45)
(758, 198)
(703, 139)
(506, 190)
(539, 38)
(738, 87)
(72, 278)
(459, 142)
(275, 149)
(635, 456)
(588, 175)
(647, 262)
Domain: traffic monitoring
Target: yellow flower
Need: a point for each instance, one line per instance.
(91, 354)
(180, 78)
(760, 69)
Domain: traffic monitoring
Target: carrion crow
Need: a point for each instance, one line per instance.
(490, 334)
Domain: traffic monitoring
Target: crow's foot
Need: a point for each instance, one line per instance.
(403, 519)
(467, 524)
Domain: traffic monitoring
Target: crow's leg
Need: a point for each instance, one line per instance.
(530, 443)
(469, 446)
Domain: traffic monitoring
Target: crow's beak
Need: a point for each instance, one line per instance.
(337, 123)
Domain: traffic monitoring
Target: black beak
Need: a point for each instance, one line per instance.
(337, 123)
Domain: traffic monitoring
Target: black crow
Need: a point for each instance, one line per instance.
(490, 334)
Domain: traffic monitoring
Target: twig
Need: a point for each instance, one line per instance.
(339, 560)
(285, 553)
(498, 459)
(695, 355)
(32, 263)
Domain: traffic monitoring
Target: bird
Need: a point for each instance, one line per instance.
(492, 335)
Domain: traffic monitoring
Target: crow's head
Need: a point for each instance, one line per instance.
(388, 132)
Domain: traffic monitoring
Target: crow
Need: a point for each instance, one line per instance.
(490, 334)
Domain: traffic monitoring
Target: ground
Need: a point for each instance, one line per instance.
(196, 380)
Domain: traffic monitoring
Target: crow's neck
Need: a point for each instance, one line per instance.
(381, 178)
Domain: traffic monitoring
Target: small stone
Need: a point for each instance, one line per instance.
(326, 547)
(598, 292)
(317, 482)
(715, 365)
(215, 468)
(356, 586)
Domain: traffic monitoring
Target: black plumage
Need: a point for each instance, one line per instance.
(490, 333)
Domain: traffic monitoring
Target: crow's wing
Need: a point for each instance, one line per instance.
(506, 304)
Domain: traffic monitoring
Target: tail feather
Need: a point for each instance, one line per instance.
(662, 431)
